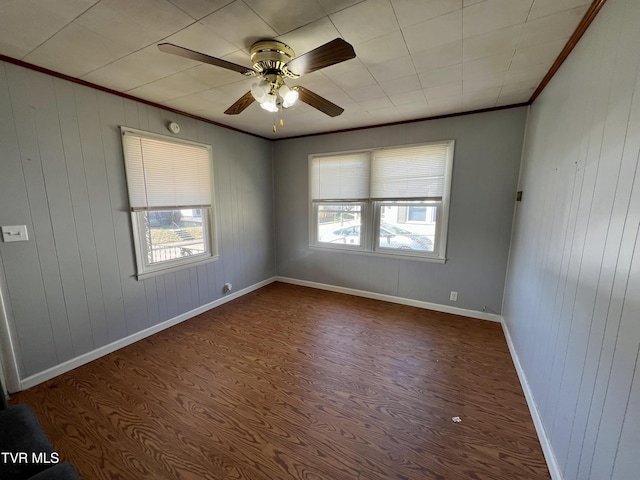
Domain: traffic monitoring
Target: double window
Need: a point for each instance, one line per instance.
(170, 185)
(389, 201)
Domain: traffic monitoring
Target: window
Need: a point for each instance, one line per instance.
(339, 224)
(170, 194)
(387, 201)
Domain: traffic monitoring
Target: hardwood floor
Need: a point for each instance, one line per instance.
(290, 382)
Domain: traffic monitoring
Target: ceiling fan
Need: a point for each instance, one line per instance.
(273, 61)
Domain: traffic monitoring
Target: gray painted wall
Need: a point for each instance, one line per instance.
(485, 174)
(572, 298)
(71, 288)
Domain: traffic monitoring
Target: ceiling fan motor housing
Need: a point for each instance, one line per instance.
(271, 57)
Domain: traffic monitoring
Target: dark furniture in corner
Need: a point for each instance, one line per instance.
(25, 450)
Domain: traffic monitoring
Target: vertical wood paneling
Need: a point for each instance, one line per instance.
(21, 257)
(72, 288)
(578, 337)
(163, 310)
(588, 167)
(153, 302)
(627, 455)
(223, 191)
(83, 226)
(204, 294)
(625, 359)
(49, 333)
(101, 213)
(612, 287)
(591, 275)
(194, 289)
(57, 188)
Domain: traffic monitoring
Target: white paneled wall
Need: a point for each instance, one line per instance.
(572, 297)
(71, 288)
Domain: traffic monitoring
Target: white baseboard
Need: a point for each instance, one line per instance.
(552, 463)
(547, 450)
(112, 347)
(390, 298)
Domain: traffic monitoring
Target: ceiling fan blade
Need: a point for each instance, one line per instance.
(201, 57)
(242, 103)
(335, 51)
(318, 102)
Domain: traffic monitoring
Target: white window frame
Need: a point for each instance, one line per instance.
(145, 268)
(371, 213)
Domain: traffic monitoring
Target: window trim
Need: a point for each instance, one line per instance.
(371, 217)
(209, 222)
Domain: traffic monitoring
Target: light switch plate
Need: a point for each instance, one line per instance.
(14, 233)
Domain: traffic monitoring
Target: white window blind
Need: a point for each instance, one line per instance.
(340, 177)
(409, 172)
(166, 173)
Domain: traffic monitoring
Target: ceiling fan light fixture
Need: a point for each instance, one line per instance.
(259, 90)
(289, 96)
(270, 103)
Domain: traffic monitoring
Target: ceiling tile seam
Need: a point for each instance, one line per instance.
(60, 29)
(556, 13)
(292, 30)
(429, 19)
(184, 11)
(301, 26)
(172, 2)
(196, 20)
(260, 17)
(198, 92)
(510, 62)
(462, 62)
(156, 43)
(529, 12)
(369, 39)
(142, 48)
(513, 55)
(342, 9)
(342, 36)
(413, 63)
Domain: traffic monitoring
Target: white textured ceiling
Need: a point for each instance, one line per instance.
(415, 58)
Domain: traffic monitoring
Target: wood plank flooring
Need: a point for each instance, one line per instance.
(290, 382)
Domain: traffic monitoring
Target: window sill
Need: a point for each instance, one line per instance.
(397, 256)
(174, 268)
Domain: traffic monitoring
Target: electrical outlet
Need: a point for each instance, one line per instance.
(454, 296)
